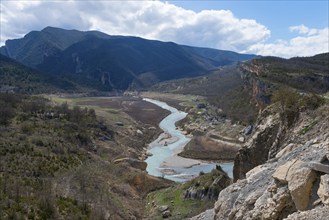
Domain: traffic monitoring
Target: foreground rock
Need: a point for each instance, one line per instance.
(292, 182)
(323, 191)
(314, 214)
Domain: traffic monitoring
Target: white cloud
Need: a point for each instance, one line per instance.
(157, 20)
(148, 19)
(310, 41)
(302, 29)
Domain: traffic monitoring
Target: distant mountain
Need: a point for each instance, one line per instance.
(104, 62)
(16, 77)
(220, 57)
(36, 45)
(128, 61)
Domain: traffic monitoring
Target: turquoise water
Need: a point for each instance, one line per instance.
(176, 168)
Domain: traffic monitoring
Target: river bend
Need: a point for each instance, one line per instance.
(164, 161)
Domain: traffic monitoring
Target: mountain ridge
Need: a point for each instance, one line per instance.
(139, 62)
(42, 43)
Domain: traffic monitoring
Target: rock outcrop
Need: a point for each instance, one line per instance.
(263, 143)
(208, 186)
(286, 175)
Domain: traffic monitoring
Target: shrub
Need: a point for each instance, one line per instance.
(6, 114)
(33, 106)
(289, 102)
(27, 127)
(287, 98)
(312, 101)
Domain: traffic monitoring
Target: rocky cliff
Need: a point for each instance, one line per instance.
(282, 172)
(265, 75)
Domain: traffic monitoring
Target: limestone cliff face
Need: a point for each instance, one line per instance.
(293, 180)
(263, 145)
(259, 89)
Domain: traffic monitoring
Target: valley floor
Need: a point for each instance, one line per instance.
(84, 156)
(213, 138)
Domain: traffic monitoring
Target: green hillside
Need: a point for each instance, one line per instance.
(16, 77)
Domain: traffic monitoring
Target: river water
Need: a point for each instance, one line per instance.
(164, 161)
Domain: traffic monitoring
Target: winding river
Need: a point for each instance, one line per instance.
(164, 160)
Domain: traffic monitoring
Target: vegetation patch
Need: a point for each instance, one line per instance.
(190, 198)
(308, 127)
(38, 142)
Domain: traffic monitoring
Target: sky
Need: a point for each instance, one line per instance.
(276, 28)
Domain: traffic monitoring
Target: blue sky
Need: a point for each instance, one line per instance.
(277, 15)
(277, 28)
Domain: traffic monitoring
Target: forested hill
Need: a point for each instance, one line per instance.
(16, 77)
(95, 59)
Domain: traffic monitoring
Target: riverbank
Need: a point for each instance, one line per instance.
(213, 136)
(165, 160)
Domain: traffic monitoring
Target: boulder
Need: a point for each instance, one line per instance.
(300, 181)
(285, 150)
(119, 123)
(166, 214)
(323, 191)
(319, 167)
(281, 173)
(139, 132)
(248, 130)
(300, 184)
(314, 214)
(272, 204)
(206, 215)
(163, 208)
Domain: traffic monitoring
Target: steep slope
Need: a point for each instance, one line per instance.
(108, 62)
(117, 63)
(241, 90)
(225, 88)
(292, 182)
(36, 45)
(16, 77)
